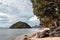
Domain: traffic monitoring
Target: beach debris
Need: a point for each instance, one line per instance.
(29, 39)
(57, 32)
(53, 31)
(52, 27)
(25, 37)
(57, 29)
(52, 34)
(43, 34)
(38, 34)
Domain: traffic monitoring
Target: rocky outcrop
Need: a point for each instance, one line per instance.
(48, 33)
(55, 33)
(20, 25)
(43, 34)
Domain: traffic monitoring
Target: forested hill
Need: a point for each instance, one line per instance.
(20, 25)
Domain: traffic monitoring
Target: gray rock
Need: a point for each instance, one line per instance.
(43, 34)
(52, 34)
(57, 29)
(52, 27)
(57, 32)
(58, 22)
(25, 37)
(38, 34)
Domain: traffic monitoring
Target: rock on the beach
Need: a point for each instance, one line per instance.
(25, 38)
(43, 34)
(52, 27)
(57, 29)
(46, 33)
(38, 34)
(57, 32)
(52, 34)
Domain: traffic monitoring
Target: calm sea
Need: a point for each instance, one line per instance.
(9, 34)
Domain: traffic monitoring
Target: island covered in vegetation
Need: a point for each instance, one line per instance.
(20, 25)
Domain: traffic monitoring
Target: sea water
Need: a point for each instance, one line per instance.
(9, 34)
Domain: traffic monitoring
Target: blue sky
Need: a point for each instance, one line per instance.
(12, 11)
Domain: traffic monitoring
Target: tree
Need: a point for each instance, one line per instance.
(47, 11)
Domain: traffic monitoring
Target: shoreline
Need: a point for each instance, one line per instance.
(33, 36)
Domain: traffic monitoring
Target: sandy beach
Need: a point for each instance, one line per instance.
(33, 36)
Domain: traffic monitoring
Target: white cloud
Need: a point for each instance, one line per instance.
(23, 7)
(16, 10)
(34, 20)
(4, 14)
(7, 20)
(4, 17)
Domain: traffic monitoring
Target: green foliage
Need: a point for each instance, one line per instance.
(46, 11)
(38, 7)
(20, 25)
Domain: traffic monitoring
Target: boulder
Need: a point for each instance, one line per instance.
(25, 37)
(38, 34)
(52, 27)
(52, 34)
(43, 34)
(57, 29)
(57, 32)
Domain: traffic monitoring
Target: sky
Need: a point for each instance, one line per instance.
(12, 11)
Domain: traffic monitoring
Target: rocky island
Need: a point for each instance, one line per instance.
(20, 25)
